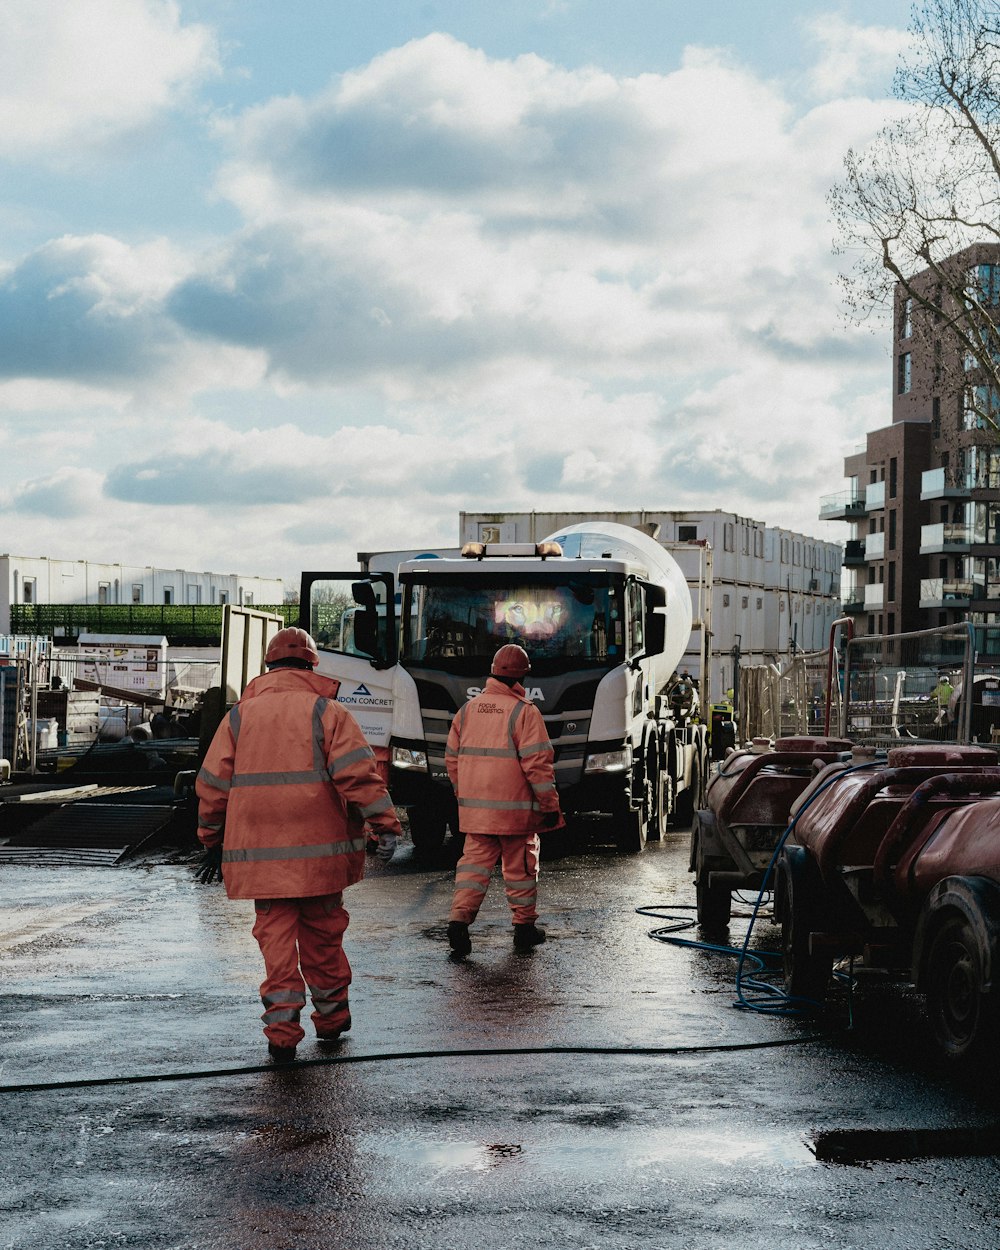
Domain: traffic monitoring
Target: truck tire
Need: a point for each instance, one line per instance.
(428, 826)
(658, 797)
(714, 903)
(964, 1017)
(631, 825)
(687, 800)
(807, 973)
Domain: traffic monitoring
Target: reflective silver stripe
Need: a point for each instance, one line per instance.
(250, 854)
(286, 997)
(327, 1006)
(338, 992)
(280, 1017)
(352, 757)
(280, 779)
(534, 749)
(203, 824)
(210, 779)
(477, 887)
(319, 734)
(380, 805)
(542, 787)
(449, 751)
(495, 752)
(507, 805)
(235, 721)
(512, 721)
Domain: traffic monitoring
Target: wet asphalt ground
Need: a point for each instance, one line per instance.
(139, 971)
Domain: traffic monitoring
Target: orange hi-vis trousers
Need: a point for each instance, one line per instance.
(307, 932)
(518, 853)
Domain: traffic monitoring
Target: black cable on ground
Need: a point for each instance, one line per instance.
(325, 1061)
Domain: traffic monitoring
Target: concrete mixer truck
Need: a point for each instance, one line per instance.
(605, 614)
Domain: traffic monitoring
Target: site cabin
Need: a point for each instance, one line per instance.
(605, 615)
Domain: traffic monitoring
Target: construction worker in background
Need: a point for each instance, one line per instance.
(286, 787)
(941, 694)
(500, 762)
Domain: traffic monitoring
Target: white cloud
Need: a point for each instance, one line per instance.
(853, 58)
(83, 72)
(548, 287)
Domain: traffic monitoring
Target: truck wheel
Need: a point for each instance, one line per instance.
(714, 902)
(631, 827)
(807, 974)
(428, 826)
(688, 797)
(963, 1017)
(657, 799)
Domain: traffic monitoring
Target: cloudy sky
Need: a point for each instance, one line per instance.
(282, 282)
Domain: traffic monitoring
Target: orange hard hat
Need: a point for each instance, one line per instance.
(292, 644)
(510, 661)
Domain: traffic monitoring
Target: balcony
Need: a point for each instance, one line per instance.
(875, 597)
(843, 506)
(937, 592)
(944, 484)
(874, 496)
(853, 604)
(875, 546)
(936, 539)
(854, 553)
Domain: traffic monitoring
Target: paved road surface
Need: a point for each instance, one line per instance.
(141, 971)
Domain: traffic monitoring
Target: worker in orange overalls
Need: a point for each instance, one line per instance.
(500, 762)
(284, 793)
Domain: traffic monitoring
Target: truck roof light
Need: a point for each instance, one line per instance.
(548, 549)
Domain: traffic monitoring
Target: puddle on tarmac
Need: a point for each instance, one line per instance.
(591, 1151)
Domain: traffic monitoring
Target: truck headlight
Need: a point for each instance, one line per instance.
(407, 757)
(619, 761)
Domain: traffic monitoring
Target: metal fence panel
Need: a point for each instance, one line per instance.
(909, 688)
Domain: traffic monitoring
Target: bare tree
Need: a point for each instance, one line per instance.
(919, 209)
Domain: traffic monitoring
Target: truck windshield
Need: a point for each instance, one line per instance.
(456, 622)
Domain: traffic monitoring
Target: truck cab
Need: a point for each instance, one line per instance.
(603, 632)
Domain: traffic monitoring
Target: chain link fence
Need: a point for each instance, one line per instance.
(786, 700)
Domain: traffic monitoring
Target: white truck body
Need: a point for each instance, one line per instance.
(606, 624)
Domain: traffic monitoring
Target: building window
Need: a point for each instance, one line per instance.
(193, 592)
(758, 543)
(248, 598)
(28, 590)
(907, 328)
(687, 533)
(137, 594)
(168, 594)
(223, 596)
(891, 623)
(891, 585)
(892, 531)
(893, 466)
(903, 374)
(728, 537)
(784, 551)
(984, 284)
(103, 592)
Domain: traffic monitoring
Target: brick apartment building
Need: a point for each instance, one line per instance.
(923, 494)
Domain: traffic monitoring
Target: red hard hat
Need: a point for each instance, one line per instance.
(510, 661)
(292, 644)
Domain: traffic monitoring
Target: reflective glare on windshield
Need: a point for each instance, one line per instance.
(573, 624)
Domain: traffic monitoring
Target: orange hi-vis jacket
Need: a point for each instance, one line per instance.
(286, 786)
(500, 762)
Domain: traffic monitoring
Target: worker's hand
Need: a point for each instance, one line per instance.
(210, 866)
(551, 819)
(386, 847)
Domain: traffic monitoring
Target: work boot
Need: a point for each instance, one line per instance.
(331, 1038)
(281, 1054)
(527, 935)
(458, 937)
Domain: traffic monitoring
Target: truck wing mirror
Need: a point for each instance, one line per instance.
(655, 624)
